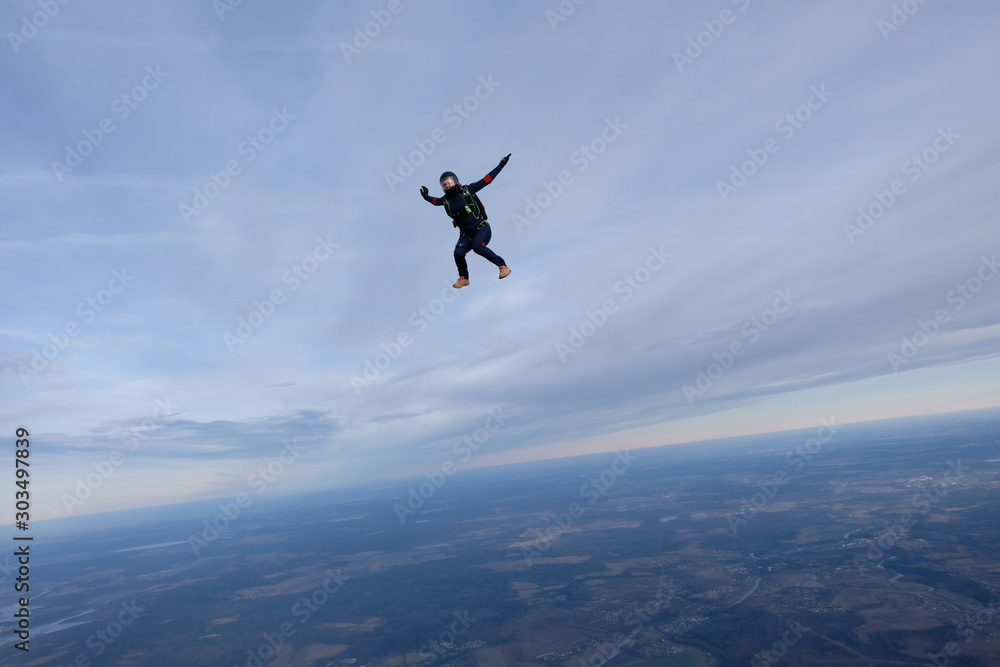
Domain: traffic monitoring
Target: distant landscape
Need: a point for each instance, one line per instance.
(866, 544)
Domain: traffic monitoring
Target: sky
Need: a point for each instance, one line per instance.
(722, 218)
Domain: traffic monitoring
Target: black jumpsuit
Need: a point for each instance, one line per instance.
(474, 232)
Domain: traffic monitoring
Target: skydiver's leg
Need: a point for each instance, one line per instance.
(479, 242)
(461, 248)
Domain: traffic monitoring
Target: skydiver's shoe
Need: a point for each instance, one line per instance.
(504, 271)
(462, 282)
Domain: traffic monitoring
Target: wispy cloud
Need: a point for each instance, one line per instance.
(247, 258)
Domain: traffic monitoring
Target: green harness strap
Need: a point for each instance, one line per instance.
(471, 204)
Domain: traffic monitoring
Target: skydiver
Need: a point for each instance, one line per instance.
(462, 205)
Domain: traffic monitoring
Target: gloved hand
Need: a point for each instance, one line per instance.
(423, 190)
(504, 160)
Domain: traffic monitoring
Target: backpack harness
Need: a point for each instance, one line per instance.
(472, 205)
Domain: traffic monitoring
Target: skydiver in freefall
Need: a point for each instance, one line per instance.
(462, 205)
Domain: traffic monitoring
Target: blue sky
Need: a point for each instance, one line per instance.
(680, 212)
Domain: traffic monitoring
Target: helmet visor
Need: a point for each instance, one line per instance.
(448, 181)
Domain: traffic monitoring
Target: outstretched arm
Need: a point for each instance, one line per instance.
(488, 178)
(424, 192)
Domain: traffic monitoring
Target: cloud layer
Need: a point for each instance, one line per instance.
(709, 211)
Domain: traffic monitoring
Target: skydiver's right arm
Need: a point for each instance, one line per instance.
(424, 192)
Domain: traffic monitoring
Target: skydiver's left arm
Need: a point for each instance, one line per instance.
(488, 178)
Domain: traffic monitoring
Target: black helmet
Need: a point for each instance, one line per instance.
(446, 175)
